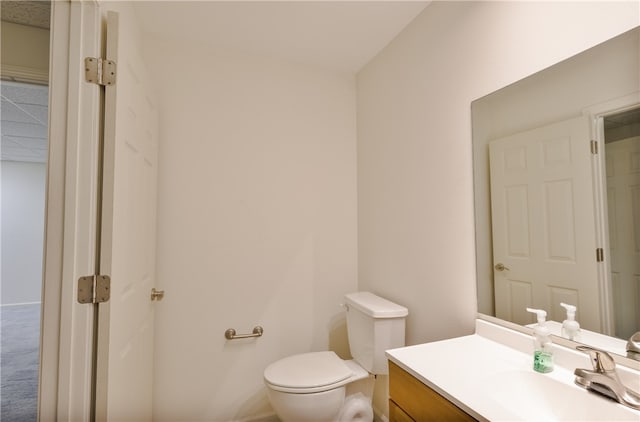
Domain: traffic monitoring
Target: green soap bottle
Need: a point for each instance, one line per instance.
(542, 346)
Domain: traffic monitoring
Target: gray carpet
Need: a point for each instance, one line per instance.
(19, 362)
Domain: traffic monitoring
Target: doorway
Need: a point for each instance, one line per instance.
(23, 173)
(23, 180)
(622, 158)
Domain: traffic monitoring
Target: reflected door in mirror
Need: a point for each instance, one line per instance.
(623, 203)
(543, 226)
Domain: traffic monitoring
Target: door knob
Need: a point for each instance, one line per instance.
(500, 267)
(157, 294)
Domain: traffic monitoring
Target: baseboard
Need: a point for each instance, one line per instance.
(378, 416)
(20, 304)
(265, 417)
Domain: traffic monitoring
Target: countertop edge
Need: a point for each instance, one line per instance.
(464, 407)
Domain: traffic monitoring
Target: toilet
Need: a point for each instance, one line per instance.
(321, 387)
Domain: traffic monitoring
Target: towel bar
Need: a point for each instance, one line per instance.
(230, 334)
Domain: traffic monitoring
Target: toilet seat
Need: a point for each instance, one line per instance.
(308, 373)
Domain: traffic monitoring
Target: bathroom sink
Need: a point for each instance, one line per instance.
(496, 382)
(528, 395)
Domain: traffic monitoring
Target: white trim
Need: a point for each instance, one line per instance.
(25, 74)
(613, 106)
(19, 304)
(602, 228)
(596, 113)
(262, 417)
(54, 209)
(65, 387)
(379, 416)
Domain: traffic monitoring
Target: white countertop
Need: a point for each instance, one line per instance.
(493, 381)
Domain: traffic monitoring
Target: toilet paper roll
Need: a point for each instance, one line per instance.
(356, 408)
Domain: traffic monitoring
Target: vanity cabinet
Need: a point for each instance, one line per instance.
(411, 400)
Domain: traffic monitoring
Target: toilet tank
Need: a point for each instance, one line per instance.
(374, 324)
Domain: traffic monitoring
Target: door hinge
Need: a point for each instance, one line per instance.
(594, 147)
(599, 255)
(99, 71)
(94, 289)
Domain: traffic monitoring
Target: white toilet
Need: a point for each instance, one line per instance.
(321, 387)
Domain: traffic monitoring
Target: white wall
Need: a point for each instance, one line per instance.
(21, 231)
(256, 224)
(415, 199)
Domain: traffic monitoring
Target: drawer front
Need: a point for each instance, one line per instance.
(396, 414)
(420, 402)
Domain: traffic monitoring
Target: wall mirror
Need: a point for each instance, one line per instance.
(557, 192)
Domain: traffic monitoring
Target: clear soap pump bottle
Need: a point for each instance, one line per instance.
(543, 349)
(570, 327)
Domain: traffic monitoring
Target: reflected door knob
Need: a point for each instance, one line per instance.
(157, 294)
(500, 267)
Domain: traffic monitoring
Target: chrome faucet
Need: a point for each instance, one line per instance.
(604, 379)
(633, 346)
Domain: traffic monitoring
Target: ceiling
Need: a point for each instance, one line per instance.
(24, 12)
(622, 125)
(336, 35)
(24, 122)
(23, 111)
(340, 36)
(624, 118)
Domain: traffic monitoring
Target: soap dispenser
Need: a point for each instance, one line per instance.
(543, 351)
(570, 327)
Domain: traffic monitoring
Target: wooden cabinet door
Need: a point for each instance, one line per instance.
(417, 401)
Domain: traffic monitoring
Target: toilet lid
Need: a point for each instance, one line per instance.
(307, 370)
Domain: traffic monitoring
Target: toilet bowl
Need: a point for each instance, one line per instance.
(312, 387)
(321, 387)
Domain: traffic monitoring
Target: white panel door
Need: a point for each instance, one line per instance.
(623, 201)
(544, 229)
(126, 325)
